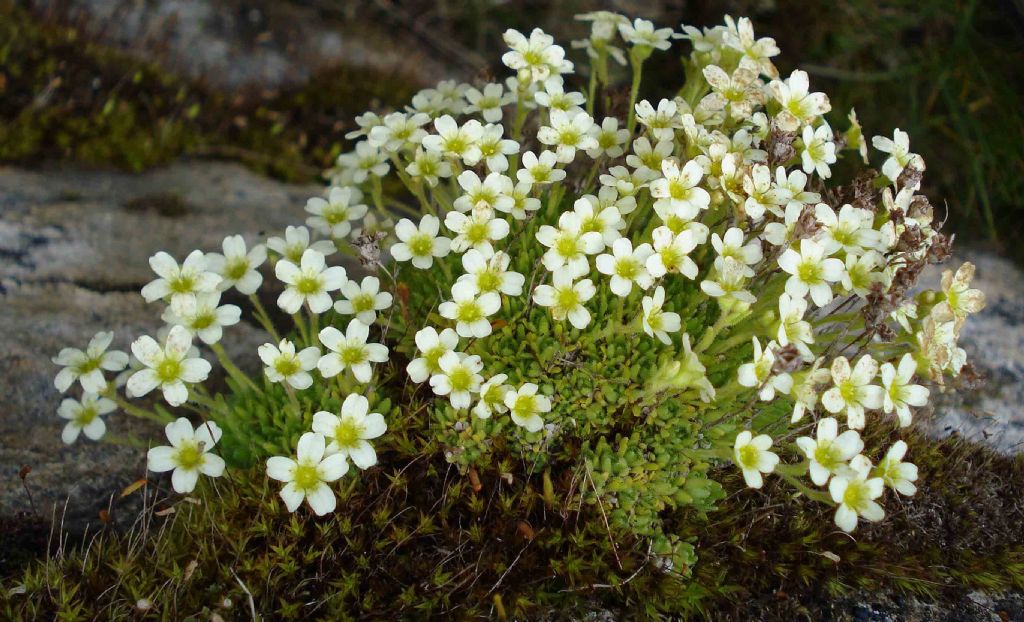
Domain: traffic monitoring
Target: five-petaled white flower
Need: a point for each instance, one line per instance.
(731, 245)
(420, 244)
(539, 169)
(87, 367)
(855, 492)
(489, 101)
(752, 456)
(566, 298)
(818, 151)
(661, 122)
(671, 253)
(475, 230)
(192, 277)
(458, 378)
(432, 345)
(829, 453)
(188, 454)
(203, 316)
(569, 244)
(678, 189)
(526, 406)
(811, 272)
(350, 431)
(309, 282)
(900, 391)
(900, 157)
(536, 58)
(642, 34)
(897, 474)
(793, 328)
(237, 267)
(626, 266)
(606, 220)
(799, 105)
(295, 242)
(363, 299)
(491, 274)
(567, 133)
(84, 417)
(284, 364)
(610, 139)
(657, 322)
(455, 141)
(758, 374)
(350, 351)
(167, 367)
(853, 391)
(333, 216)
(492, 397)
(307, 476)
(470, 310)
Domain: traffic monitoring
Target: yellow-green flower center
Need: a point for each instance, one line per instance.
(86, 416)
(189, 456)
(286, 365)
(568, 299)
(306, 477)
(362, 302)
(307, 285)
(348, 433)
(748, 456)
(488, 280)
(460, 378)
(469, 311)
(421, 244)
(169, 370)
(352, 355)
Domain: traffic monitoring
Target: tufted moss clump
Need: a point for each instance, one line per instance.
(418, 541)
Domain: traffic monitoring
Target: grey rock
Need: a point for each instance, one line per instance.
(994, 342)
(255, 44)
(74, 246)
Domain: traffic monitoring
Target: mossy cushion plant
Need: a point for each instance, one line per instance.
(590, 310)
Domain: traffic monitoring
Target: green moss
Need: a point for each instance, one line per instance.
(63, 97)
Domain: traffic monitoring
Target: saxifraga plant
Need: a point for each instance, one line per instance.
(588, 304)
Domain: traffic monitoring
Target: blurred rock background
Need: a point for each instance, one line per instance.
(130, 126)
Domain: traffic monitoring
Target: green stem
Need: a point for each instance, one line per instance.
(263, 318)
(634, 90)
(141, 413)
(301, 326)
(232, 369)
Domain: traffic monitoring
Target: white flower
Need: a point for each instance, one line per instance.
(900, 391)
(898, 475)
(731, 245)
(350, 351)
(679, 190)
(363, 300)
(475, 230)
(799, 106)
(202, 316)
(605, 220)
(960, 298)
(488, 102)
(856, 493)
(860, 274)
(493, 192)
(661, 122)
(188, 454)
(84, 417)
(756, 52)
(492, 397)
(459, 378)
(656, 322)
(309, 282)
(805, 389)
(495, 148)
(851, 230)
(647, 161)
(307, 476)
(671, 253)
(432, 346)
(236, 267)
(399, 131)
(470, 310)
(793, 329)
(626, 266)
(554, 97)
(191, 277)
(295, 242)
(567, 133)
(779, 233)
(348, 433)
(539, 169)
(641, 33)
(454, 141)
(819, 151)
(569, 245)
(366, 122)
(428, 166)
(762, 194)
(526, 406)
(728, 280)
(333, 216)
(284, 364)
(365, 161)
(87, 367)
(752, 456)
(566, 298)
(420, 244)
(900, 157)
(610, 139)
(853, 391)
(491, 274)
(167, 367)
(536, 58)
(759, 373)
(522, 202)
(811, 272)
(830, 452)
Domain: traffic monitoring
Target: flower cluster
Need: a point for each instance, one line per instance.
(627, 296)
